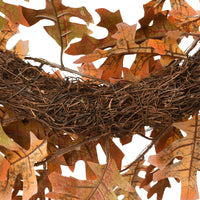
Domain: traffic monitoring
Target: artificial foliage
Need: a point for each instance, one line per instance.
(48, 120)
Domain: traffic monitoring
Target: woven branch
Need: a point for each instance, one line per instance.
(88, 109)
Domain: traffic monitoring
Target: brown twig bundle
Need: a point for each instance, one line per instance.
(88, 108)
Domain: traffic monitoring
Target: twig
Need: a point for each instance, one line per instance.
(192, 46)
(55, 65)
(146, 149)
(63, 151)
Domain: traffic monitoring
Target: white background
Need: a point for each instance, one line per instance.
(41, 45)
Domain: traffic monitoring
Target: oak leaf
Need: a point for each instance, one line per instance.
(13, 13)
(108, 21)
(185, 169)
(89, 69)
(60, 15)
(184, 16)
(88, 152)
(132, 176)
(161, 25)
(108, 178)
(126, 44)
(22, 162)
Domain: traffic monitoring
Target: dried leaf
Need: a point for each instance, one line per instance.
(21, 48)
(185, 169)
(112, 67)
(158, 30)
(131, 176)
(108, 178)
(89, 69)
(43, 180)
(129, 76)
(22, 162)
(13, 13)
(184, 16)
(63, 28)
(168, 45)
(4, 166)
(126, 45)
(108, 21)
(114, 151)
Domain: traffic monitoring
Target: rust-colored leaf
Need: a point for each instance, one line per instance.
(60, 15)
(43, 180)
(108, 21)
(131, 176)
(22, 162)
(161, 25)
(8, 30)
(184, 16)
(168, 45)
(4, 166)
(129, 76)
(158, 188)
(141, 66)
(185, 169)
(89, 69)
(171, 135)
(21, 48)
(126, 44)
(108, 178)
(112, 67)
(19, 130)
(114, 151)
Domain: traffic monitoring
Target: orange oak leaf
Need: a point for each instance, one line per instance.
(185, 169)
(22, 162)
(166, 60)
(88, 152)
(21, 48)
(126, 44)
(7, 30)
(112, 67)
(158, 188)
(114, 151)
(158, 45)
(108, 21)
(161, 25)
(102, 187)
(171, 135)
(60, 15)
(168, 45)
(132, 177)
(19, 130)
(43, 180)
(4, 166)
(151, 9)
(141, 66)
(89, 69)
(129, 76)
(184, 16)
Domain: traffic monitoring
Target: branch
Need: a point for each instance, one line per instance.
(55, 65)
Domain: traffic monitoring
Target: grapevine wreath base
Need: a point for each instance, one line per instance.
(88, 108)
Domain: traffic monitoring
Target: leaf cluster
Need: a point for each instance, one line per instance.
(50, 121)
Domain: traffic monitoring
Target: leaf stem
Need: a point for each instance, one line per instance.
(60, 33)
